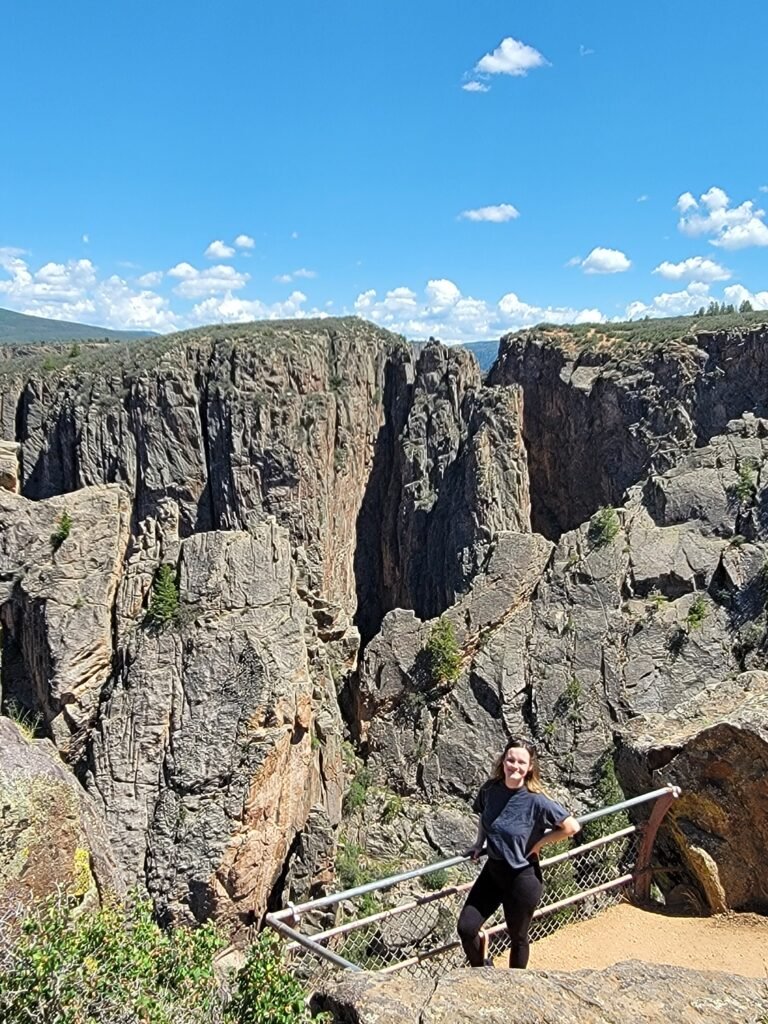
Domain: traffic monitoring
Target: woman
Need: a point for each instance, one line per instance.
(514, 816)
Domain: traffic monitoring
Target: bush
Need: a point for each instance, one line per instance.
(117, 966)
(697, 613)
(62, 531)
(358, 790)
(443, 653)
(603, 526)
(744, 488)
(164, 606)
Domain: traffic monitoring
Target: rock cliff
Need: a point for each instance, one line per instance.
(313, 496)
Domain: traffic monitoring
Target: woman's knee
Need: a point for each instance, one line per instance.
(469, 924)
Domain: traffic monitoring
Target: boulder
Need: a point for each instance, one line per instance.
(715, 747)
(629, 991)
(51, 833)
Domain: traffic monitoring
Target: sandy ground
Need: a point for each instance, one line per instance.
(737, 943)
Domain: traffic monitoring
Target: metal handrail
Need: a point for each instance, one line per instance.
(295, 911)
(639, 875)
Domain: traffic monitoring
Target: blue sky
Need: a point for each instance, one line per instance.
(456, 169)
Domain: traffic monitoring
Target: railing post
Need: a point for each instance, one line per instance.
(641, 888)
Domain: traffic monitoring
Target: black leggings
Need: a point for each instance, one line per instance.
(518, 891)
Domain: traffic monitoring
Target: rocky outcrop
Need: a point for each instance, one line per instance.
(600, 417)
(51, 833)
(715, 747)
(629, 991)
(209, 753)
(60, 566)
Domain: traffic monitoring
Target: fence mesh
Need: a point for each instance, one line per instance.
(414, 929)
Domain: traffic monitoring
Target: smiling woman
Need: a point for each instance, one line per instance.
(516, 820)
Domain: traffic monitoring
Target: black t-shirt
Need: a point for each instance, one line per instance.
(515, 820)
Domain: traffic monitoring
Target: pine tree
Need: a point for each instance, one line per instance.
(164, 607)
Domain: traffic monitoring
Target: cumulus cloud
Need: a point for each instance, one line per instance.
(302, 272)
(245, 242)
(233, 309)
(194, 283)
(697, 268)
(494, 214)
(150, 279)
(217, 250)
(603, 261)
(73, 291)
(511, 57)
(730, 227)
(444, 312)
(672, 303)
(737, 293)
(475, 86)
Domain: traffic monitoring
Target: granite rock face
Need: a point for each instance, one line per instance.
(52, 833)
(715, 747)
(320, 494)
(629, 991)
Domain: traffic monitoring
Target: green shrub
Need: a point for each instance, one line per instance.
(443, 653)
(62, 531)
(357, 793)
(603, 526)
(436, 880)
(164, 606)
(393, 808)
(697, 613)
(744, 488)
(266, 992)
(118, 965)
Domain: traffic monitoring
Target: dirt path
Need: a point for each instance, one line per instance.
(737, 943)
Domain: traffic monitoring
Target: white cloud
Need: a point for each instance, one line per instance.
(762, 188)
(196, 283)
(672, 303)
(445, 313)
(302, 272)
(294, 235)
(151, 279)
(642, 199)
(85, 239)
(694, 268)
(217, 250)
(231, 309)
(245, 242)
(730, 227)
(494, 214)
(737, 293)
(604, 261)
(73, 291)
(511, 57)
(475, 86)
(585, 51)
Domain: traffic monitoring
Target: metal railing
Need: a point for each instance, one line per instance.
(401, 923)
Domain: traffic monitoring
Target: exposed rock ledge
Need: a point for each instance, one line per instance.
(630, 991)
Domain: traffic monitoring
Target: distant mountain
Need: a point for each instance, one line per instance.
(485, 352)
(20, 328)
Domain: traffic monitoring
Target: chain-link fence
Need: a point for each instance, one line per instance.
(408, 921)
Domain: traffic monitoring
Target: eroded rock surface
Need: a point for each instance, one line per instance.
(629, 991)
(715, 747)
(51, 832)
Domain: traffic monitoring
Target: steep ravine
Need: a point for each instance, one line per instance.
(320, 491)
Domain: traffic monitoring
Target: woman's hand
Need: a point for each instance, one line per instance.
(535, 850)
(474, 851)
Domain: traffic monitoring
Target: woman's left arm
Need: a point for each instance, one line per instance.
(567, 828)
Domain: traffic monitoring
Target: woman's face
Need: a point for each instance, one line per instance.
(517, 764)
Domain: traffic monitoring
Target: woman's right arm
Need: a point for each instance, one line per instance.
(475, 850)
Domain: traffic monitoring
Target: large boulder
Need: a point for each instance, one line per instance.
(629, 991)
(51, 834)
(715, 747)
(60, 565)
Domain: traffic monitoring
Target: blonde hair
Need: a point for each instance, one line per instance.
(533, 778)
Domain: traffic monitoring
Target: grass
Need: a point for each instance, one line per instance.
(62, 531)
(697, 613)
